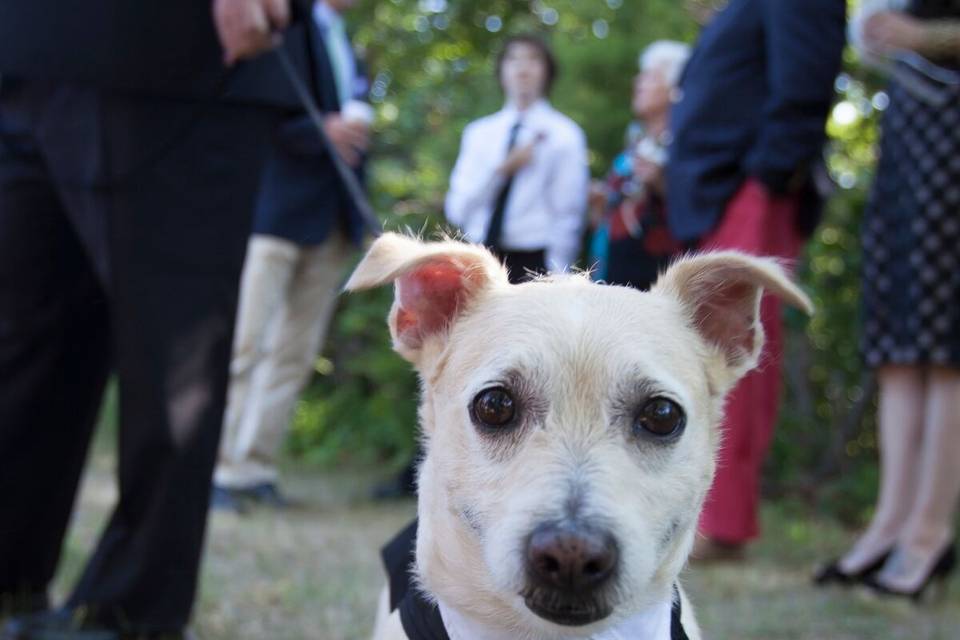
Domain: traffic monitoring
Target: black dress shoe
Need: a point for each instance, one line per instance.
(61, 624)
(75, 624)
(23, 602)
(403, 485)
(268, 495)
(942, 569)
(227, 500)
(833, 574)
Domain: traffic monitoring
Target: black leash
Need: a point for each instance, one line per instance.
(347, 176)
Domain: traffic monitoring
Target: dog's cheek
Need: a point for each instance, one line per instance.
(503, 556)
(653, 518)
(527, 496)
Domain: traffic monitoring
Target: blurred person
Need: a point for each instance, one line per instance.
(128, 169)
(631, 242)
(304, 229)
(702, 10)
(911, 299)
(520, 182)
(749, 129)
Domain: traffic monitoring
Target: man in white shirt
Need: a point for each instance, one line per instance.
(521, 180)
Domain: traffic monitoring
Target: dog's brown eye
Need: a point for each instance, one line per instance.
(661, 417)
(494, 407)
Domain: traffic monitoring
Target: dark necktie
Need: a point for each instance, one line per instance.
(500, 204)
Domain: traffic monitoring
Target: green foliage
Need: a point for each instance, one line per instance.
(433, 65)
(362, 406)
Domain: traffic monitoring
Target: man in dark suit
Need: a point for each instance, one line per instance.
(748, 128)
(129, 157)
(304, 227)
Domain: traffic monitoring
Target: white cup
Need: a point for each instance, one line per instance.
(357, 111)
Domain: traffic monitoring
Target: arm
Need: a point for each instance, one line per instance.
(804, 41)
(567, 202)
(474, 182)
(246, 27)
(942, 39)
(891, 31)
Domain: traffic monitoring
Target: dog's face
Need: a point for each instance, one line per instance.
(570, 427)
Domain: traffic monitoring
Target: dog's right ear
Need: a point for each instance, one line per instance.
(433, 283)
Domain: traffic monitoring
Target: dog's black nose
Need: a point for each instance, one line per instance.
(571, 558)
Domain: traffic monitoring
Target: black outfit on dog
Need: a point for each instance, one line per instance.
(421, 618)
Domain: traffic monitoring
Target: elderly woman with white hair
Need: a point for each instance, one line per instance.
(631, 241)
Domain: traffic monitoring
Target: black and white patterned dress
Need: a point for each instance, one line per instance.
(911, 234)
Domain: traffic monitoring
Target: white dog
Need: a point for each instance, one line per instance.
(570, 431)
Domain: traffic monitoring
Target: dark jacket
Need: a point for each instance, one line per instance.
(302, 198)
(753, 102)
(167, 48)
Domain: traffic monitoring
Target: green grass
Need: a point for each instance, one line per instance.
(314, 573)
(771, 596)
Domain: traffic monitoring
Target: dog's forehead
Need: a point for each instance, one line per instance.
(573, 323)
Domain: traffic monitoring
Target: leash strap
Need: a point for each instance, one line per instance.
(347, 176)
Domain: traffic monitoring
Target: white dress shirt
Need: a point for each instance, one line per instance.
(548, 197)
(340, 52)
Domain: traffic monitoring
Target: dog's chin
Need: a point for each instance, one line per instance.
(566, 609)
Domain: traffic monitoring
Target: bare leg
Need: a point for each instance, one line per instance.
(929, 526)
(901, 422)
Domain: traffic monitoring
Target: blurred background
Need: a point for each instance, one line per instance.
(433, 73)
(316, 575)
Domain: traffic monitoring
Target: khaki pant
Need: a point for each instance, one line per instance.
(287, 295)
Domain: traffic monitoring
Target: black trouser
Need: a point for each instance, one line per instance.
(523, 265)
(123, 223)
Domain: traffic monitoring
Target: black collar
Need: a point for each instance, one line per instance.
(422, 621)
(421, 618)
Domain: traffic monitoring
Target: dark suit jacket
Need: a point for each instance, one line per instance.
(753, 103)
(168, 48)
(302, 198)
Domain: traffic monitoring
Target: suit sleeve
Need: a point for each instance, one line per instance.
(804, 42)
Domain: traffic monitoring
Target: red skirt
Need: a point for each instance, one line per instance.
(758, 223)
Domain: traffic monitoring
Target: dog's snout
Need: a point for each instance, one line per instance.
(571, 558)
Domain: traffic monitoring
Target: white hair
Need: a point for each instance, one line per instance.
(668, 55)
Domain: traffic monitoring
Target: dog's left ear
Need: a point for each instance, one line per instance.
(721, 293)
(434, 282)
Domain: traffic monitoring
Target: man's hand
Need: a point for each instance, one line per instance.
(890, 31)
(350, 137)
(518, 158)
(247, 27)
(597, 203)
(650, 174)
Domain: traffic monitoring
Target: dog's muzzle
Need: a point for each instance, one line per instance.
(568, 567)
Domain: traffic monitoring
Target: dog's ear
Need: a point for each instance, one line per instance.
(721, 293)
(433, 284)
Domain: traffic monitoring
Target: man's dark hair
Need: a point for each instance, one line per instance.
(542, 48)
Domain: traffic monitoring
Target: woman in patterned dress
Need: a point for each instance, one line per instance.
(911, 296)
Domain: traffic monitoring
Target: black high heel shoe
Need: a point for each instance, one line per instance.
(945, 565)
(833, 574)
